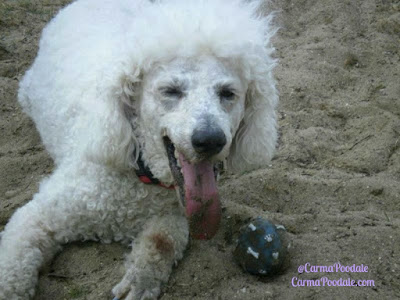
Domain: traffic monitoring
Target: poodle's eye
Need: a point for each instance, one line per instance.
(172, 92)
(226, 93)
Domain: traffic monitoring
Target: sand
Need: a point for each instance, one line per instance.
(334, 183)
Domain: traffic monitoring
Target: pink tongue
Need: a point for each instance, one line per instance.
(203, 208)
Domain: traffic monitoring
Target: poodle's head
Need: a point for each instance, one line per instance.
(194, 105)
(199, 90)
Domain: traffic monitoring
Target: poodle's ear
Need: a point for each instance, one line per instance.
(114, 140)
(128, 106)
(255, 140)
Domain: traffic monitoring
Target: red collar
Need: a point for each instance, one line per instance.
(147, 180)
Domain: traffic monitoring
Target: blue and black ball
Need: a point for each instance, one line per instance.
(262, 247)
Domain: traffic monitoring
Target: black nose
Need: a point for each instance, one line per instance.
(209, 140)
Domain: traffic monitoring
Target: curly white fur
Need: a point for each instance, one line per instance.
(94, 94)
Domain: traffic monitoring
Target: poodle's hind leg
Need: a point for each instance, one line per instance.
(154, 252)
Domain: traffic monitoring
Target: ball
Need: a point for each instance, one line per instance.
(261, 247)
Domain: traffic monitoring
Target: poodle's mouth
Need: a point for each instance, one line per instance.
(197, 191)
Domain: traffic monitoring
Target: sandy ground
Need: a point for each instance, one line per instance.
(334, 183)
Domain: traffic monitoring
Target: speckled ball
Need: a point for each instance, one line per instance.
(261, 247)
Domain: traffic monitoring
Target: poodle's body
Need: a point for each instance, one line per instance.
(115, 80)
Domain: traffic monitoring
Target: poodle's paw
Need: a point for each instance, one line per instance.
(13, 291)
(16, 283)
(136, 287)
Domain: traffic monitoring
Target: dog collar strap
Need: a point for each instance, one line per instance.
(146, 176)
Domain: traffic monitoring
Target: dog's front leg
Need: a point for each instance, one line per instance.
(154, 252)
(25, 245)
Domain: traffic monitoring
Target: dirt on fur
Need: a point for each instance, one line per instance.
(334, 183)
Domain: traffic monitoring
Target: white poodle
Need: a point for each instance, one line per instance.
(137, 101)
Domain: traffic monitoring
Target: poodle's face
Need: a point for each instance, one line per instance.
(189, 112)
(197, 103)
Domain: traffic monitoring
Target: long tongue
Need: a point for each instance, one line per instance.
(203, 208)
